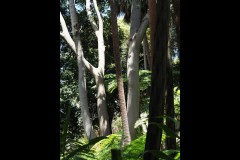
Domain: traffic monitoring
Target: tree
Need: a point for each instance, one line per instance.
(146, 53)
(77, 47)
(158, 79)
(126, 133)
(170, 141)
(152, 15)
(176, 20)
(98, 73)
(137, 32)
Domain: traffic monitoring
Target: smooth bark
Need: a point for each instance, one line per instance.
(98, 73)
(87, 124)
(103, 117)
(137, 31)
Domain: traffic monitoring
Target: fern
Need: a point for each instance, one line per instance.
(102, 149)
(134, 150)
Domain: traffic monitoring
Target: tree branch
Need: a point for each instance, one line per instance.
(90, 18)
(65, 34)
(61, 34)
(142, 29)
(90, 67)
(100, 21)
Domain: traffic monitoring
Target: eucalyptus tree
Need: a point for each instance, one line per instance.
(138, 28)
(98, 72)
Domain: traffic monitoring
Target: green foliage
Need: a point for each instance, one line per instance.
(111, 82)
(72, 146)
(176, 72)
(63, 136)
(170, 118)
(102, 149)
(164, 155)
(85, 148)
(98, 148)
(145, 79)
(169, 132)
(177, 102)
(117, 124)
(124, 32)
(134, 150)
(141, 124)
(77, 148)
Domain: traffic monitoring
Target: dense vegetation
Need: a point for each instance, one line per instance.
(90, 127)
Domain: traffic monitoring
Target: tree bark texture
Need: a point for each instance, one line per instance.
(158, 79)
(170, 142)
(121, 95)
(152, 15)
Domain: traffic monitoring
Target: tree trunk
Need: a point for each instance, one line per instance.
(136, 36)
(145, 52)
(133, 97)
(176, 20)
(98, 73)
(170, 142)
(116, 154)
(121, 95)
(101, 107)
(152, 13)
(104, 124)
(87, 124)
(158, 80)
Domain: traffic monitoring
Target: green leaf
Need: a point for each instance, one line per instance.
(168, 131)
(159, 154)
(170, 151)
(112, 86)
(81, 148)
(135, 149)
(164, 116)
(141, 72)
(177, 156)
(102, 149)
(65, 128)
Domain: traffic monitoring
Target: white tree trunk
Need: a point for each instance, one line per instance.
(104, 124)
(87, 124)
(133, 88)
(101, 107)
(76, 46)
(136, 35)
